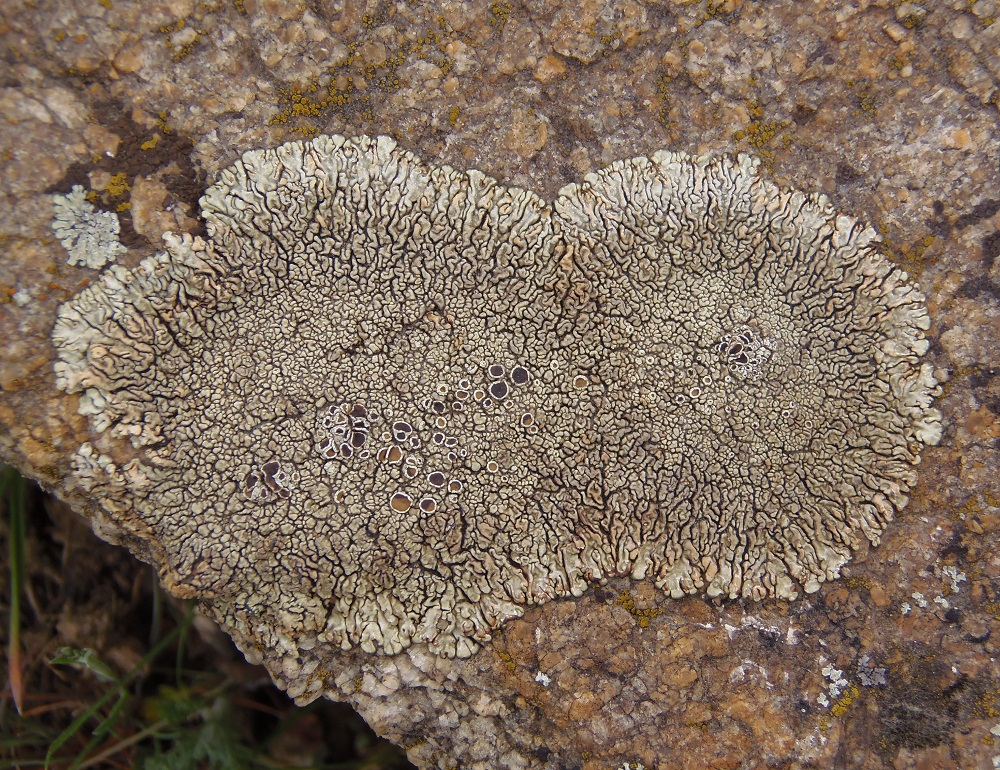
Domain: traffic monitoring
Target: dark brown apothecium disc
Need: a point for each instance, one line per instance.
(315, 416)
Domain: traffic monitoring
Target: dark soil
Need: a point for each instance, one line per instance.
(197, 704)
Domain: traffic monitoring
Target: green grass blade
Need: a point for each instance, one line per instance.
(76, 724)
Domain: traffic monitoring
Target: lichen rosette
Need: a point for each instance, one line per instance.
(387, 403)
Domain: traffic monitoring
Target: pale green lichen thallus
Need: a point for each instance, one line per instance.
(88, 235)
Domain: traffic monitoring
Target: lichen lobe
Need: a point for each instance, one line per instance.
(388, 403)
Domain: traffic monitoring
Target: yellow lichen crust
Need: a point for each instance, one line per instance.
(388, 403)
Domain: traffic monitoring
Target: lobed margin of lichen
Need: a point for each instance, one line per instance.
(137, 346)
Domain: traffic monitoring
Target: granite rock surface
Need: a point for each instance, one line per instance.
(889, 108)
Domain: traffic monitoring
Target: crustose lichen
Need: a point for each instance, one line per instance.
(387, 403)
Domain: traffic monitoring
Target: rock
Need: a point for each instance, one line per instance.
(772, 79)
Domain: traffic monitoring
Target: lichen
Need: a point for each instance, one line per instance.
(387, 403)
(642, 617)
(90, 236)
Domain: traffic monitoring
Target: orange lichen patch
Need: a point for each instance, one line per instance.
(117, 185)
(507, 660)
(845, 701)
(642, 617)
(500, 11)
(180, 38)
(758, 133)
(913, 254)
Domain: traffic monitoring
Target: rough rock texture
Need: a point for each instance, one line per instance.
(888, 108)
(390, 404)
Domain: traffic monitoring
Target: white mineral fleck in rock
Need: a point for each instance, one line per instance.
(90, 236)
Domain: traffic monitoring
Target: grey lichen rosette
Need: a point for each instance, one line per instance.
(387, 403)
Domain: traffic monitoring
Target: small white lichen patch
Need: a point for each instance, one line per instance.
(838, 684)
(543, 679)
(956, 577)
(869, 674)
(90, 236)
